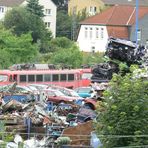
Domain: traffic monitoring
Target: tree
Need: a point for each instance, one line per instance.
(60, 42)
(68, 26)
(34, 8)
(63, 51)
(18, 20)
(64, 23)
(68, 56)
(61, 4)
(124, 119)
(15, 49)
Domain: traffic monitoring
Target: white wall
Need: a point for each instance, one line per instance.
(2, 14)
(92, 41)
(48, 4)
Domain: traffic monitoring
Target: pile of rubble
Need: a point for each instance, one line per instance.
(37, 124)
(118, 51)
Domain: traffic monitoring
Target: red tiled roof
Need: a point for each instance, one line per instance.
(118, 32)
(142, 12)
(119, 15)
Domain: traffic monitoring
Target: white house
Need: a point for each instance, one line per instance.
(117, 21)
(92, 38)
(50, 11)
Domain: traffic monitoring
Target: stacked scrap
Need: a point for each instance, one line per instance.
(119, 51)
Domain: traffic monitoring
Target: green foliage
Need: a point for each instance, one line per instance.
(64, 22)
(18, 20)
(68, 26)
(60, 42)
(34, 8)
(62, 51)
(93, 58)
(82, 15)
(125, 115)
(6, 137)
(63, 140)
(15, 49)
(68, 56)
(61, 4)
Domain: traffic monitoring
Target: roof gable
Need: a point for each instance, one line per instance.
(120, 15)
(11, 3)
(125, 2)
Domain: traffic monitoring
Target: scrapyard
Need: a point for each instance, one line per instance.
(40, 118)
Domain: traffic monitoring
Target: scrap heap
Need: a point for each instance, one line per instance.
(118, 51)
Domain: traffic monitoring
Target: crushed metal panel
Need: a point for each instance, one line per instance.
(80, 134)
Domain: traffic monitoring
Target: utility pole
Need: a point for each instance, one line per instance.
(137, 21)
(73, 23)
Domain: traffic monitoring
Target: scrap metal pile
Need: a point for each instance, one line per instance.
(118, 51)
(38, 123)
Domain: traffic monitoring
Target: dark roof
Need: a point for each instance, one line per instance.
(125, 2)
(11, 3)
(118, 15)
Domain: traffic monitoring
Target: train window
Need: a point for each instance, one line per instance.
(63, 77)
(39, 78)
(10, 78)
(47, 77)
(31, 78)
(86, 76)
(15, 77)
(23, 78)
(55, 77)
(70, 77)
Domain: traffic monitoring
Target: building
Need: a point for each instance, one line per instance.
(50, 10)
(91, 7)
(125, 2)
(117, 21)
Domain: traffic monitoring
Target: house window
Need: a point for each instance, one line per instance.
(92, 10)
(47, 24)
(93, 49)
(90, 33)
(86, 32)
(102, 33)
(139, 35)
(97, 33)
(1, 9)
(146, 45)
(74, 10)
(48, 11)
(95, 9)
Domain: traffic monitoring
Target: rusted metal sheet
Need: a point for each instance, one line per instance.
(80, 134)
